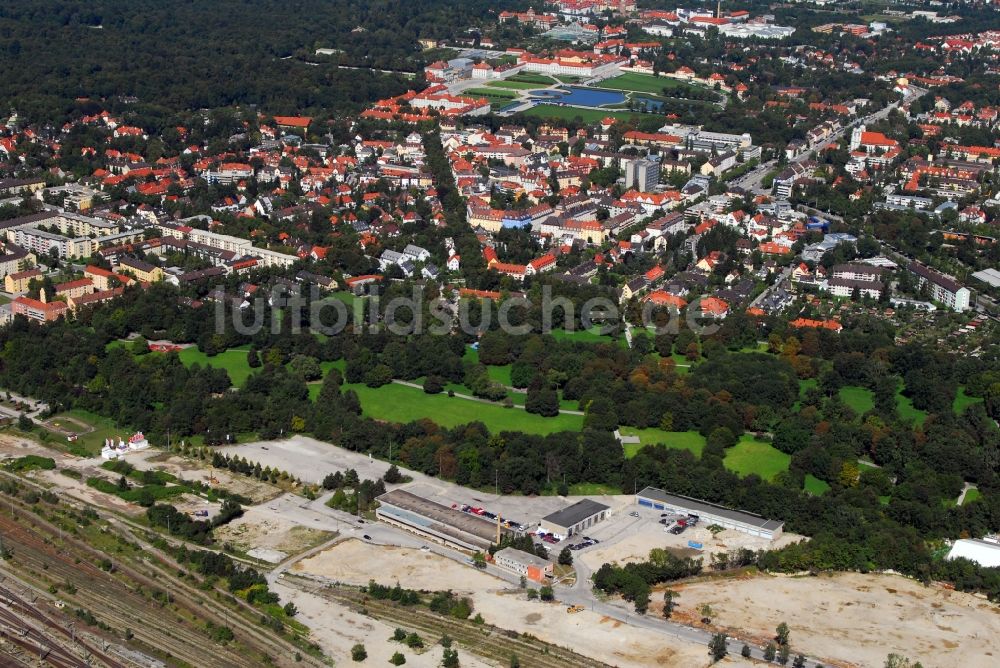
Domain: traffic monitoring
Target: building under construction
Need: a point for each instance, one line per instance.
(437, 522)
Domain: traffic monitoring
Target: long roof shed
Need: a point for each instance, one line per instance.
(710, 513)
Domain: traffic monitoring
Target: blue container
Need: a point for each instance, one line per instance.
(695, 544)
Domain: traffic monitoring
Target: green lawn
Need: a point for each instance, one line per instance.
(234, 361)
(399, 403)
(568, 78)
(592, 489)
(643, 83)
(516, 85)
(497, 93)
(814, 485)
(859, 399)
(532, 78)
(344, 296)
(591, 335)
(907, 411)
(570, 113)
(972, 495)
(691, 441)
(963, 401)
(750, 456)
(93, 441)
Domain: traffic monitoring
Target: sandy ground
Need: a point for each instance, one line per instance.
(337, 629)
(857, 618)
(269, 531)
(356, 562)
(78, 489)
(607, 640)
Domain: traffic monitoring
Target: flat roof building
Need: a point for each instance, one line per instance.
(574, 519)
(447, 525)
(710, 513)
(984, 552)
(524, 563)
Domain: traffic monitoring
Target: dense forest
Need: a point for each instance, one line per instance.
(190, 55)
(871, 518)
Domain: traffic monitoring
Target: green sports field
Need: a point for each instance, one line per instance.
(750, 456)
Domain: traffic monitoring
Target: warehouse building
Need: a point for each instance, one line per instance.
(574, 519)
(524, 563)
(986, 553)
(710, 513)
(441, 523)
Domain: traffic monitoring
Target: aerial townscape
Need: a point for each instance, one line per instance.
(500, 333)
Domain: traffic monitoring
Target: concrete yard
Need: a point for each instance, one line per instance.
(626, 539)
(854, 617)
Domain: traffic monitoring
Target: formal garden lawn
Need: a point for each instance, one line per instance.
(499, 93)
(750, 456)
(532, 78)
(644, 83)
(814, 485)
(691, 441)
(400, 403)
(516, 85)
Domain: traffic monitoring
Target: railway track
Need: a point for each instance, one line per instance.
(162, 568)
(18, 614)
(489, 642)
(114, 603)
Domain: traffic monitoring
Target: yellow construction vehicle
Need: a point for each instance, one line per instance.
(573, 609)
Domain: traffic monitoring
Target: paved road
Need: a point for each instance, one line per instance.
(752, 181)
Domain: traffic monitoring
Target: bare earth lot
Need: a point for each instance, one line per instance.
(338, 629)
(262, 530)
(857, 618)
(605, 639)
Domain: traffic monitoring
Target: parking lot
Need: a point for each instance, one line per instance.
(631, 534)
